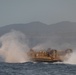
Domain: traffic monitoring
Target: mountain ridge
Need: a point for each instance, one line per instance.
(38, 32)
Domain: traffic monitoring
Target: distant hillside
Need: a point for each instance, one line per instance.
(61, 33)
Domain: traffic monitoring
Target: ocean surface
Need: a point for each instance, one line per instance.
(30, 68)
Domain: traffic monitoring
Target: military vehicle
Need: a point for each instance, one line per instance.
(49, 55)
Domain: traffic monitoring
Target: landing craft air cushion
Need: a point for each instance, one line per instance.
(50, 55)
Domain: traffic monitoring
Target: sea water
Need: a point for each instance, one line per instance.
(31, 68)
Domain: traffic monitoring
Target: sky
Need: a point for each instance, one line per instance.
(46, 11)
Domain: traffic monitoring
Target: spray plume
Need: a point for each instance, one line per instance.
(71, 58)
(14, 47)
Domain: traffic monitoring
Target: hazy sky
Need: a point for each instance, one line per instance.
(46, 11)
